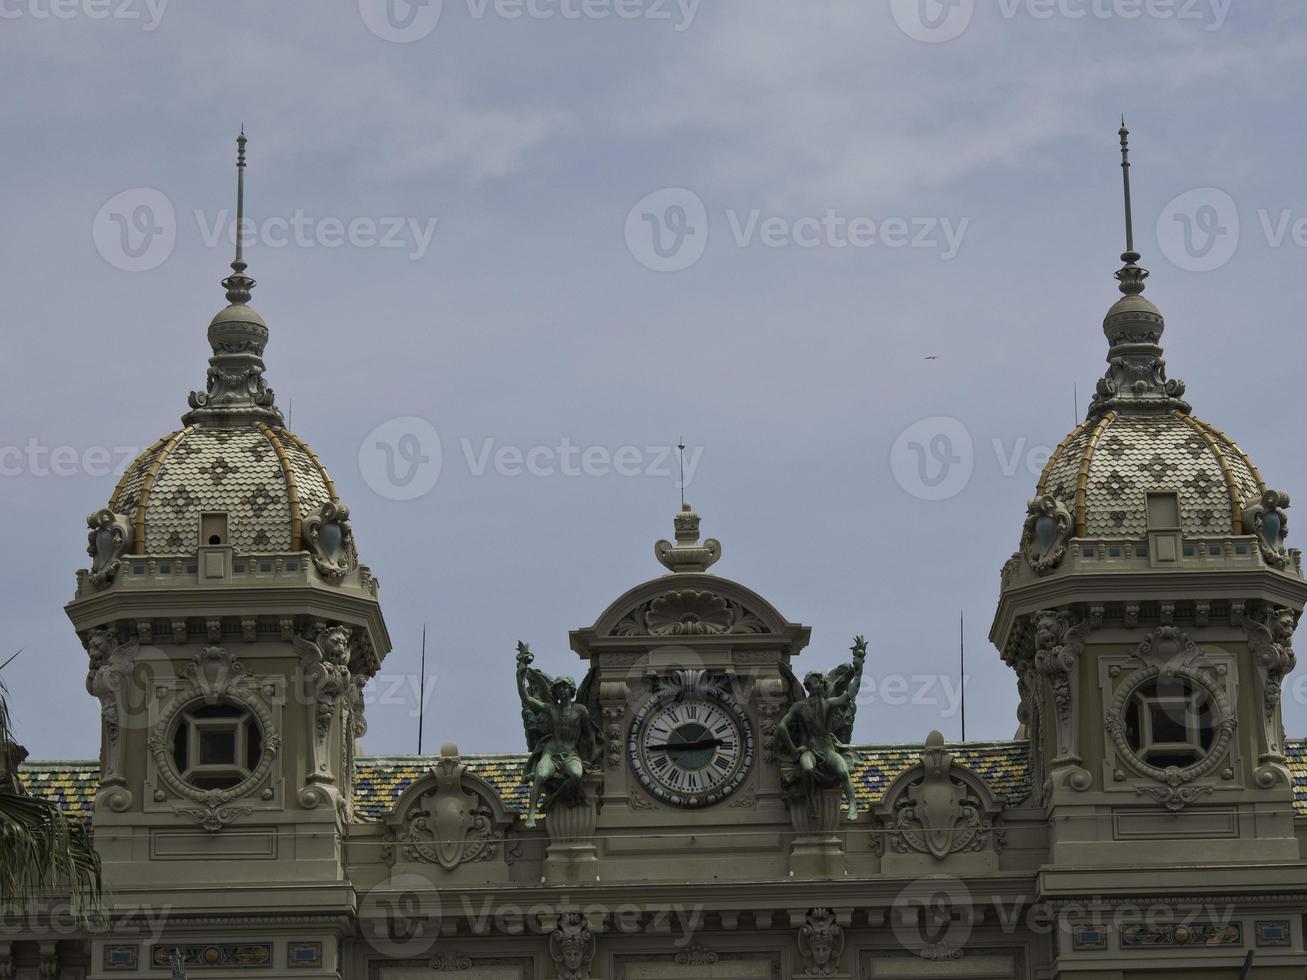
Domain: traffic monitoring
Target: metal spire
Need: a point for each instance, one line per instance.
(238, 284)
(1130, 276)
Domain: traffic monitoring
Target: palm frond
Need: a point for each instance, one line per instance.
(43, 852)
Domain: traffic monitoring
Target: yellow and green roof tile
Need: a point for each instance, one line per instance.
(380, 780)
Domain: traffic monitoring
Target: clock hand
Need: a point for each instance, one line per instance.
(708, 743)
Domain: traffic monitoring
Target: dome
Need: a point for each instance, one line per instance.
(1102, 472)
(263, 478)
(233, 476)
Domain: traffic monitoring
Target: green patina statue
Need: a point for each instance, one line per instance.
(562, 734)
(812, 739)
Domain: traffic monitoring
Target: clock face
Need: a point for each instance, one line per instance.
(691, 751)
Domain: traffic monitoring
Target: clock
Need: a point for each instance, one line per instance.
(691, 749)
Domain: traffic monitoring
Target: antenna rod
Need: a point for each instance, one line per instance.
(962, 667)
(1125, 179)
(1075, 401)
(680, 448)
(422, 687)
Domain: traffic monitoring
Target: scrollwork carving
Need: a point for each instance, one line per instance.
(1265, 517)
(939, 808)
(330, 540)
(109, 680)
(107, 541)
(1059, 644)
(456, 821)
(1046, 532)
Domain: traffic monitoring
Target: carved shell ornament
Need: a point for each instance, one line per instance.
(689, 612)
(1045, 534)
(1266, 518)
(107, 541)
(330, 541)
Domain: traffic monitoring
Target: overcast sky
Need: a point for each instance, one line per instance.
(746, 223)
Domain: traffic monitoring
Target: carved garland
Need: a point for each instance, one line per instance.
(213, 675)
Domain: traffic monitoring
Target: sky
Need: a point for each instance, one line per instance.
(528, 247)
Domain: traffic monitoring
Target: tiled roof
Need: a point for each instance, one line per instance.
(1135, 454)
(1297, 753)
(73, 784)
(380, 780)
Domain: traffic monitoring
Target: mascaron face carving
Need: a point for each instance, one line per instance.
(572, 947)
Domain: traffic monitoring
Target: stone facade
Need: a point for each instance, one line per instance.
(1148, 820)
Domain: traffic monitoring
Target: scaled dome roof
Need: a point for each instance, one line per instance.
(1104, 469)
(264, 478)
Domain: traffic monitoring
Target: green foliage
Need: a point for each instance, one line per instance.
(43, 853)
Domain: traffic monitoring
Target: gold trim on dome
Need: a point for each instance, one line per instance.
(1082, 481)
(147, 485)
(1057, 454)
(313, 458)
(136, 463)
(1231, 482)
(292, 491)
(1231, 444)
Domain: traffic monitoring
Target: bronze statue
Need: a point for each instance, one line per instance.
(562, 734)
(812, 739)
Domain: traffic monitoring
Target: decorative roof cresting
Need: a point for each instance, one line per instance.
(235, 393)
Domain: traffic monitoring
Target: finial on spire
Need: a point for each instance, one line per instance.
(238, 284)
(1130, 276)
(1136, 380)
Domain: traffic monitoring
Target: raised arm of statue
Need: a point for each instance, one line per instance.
(854, 680)
(524, 671)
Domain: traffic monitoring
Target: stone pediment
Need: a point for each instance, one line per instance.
(692, 605)
(937, 808)
(448, 817)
